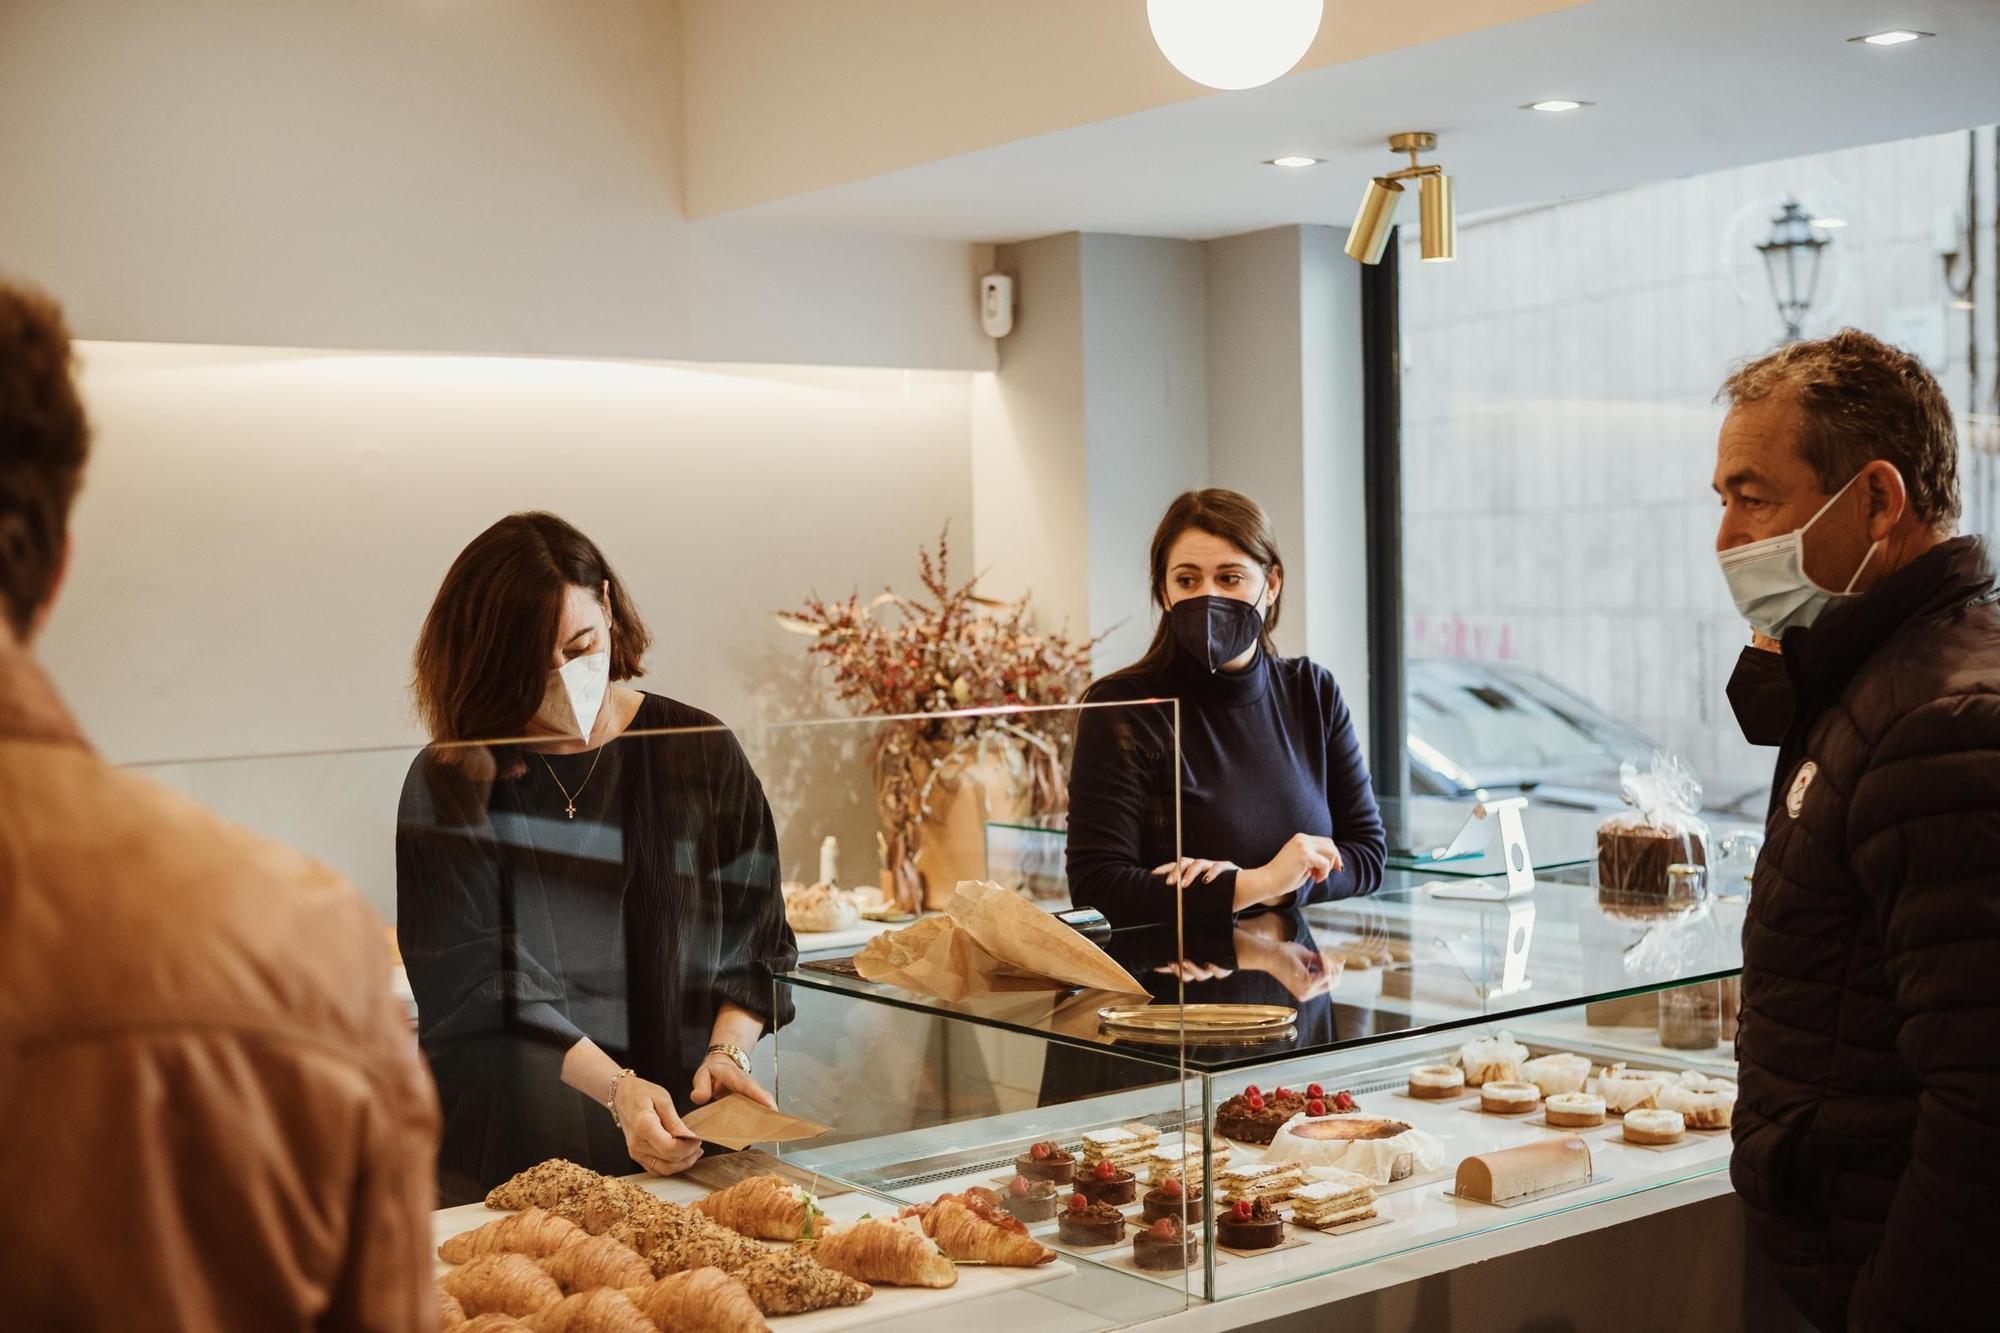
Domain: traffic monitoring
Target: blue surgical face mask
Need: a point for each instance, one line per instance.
(1768, 579)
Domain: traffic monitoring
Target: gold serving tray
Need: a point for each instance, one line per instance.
(1198, 1019)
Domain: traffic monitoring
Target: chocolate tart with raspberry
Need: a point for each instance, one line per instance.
(1173, 1199)
(1107, 1182)
(1047, 1161)
(1085, 1223)
(1031, 1200)
(1164, 1245)
(1249, 1225)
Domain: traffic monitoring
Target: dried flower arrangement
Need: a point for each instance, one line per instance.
(948, 651)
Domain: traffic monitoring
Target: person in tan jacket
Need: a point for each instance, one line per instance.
(212, 1114)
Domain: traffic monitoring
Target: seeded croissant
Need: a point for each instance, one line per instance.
(597, 1261)
(876, 1249)
(791, 1282)
(543, 1185)
(534, 1233)
(501, 1283)
(600, 1311)
(704, 1298)
(767, 1207)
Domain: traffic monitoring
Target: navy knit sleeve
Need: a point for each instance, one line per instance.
(1350, 798)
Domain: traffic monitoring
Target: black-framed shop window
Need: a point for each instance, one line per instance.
(1382, 397)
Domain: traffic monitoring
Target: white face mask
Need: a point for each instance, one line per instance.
(1768, 579)
(575, 694)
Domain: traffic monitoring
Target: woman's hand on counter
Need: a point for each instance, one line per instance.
(1187, 971)
(1191, 870)
(719, 1074)
(1306, 973)
(654, 1134)
(1304, 857)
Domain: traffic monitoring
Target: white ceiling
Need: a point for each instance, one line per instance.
(1679, 86)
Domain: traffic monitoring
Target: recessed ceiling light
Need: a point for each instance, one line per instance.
(1963, 304)
(1830, 224)
(1292, 160)
(1893, 37)
(1554, 104)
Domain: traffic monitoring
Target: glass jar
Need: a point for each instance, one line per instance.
(1691, 1017)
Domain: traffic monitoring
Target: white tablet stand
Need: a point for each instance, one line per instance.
(1520, 880)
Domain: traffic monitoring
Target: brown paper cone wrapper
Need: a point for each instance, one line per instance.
(990, 941)
(738, 1122)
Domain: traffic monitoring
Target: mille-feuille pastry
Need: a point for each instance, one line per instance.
(1272, 1182)
(1334, 1199)
(1178, 1159)
(1127, 1145)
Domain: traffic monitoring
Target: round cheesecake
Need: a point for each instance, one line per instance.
(1557, 1073)
(1574, 1110)
(1625, 1090)
(1437, 1083)
(1505, 1098)
(1489, 1059)
(1654, 1127)
(1377, 1147)
(1704, 1102)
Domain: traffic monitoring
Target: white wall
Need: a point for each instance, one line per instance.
(261, 532)
(1145, 414)
(500, 176)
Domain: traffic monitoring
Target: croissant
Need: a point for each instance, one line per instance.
(543, 1185)
(963, 1234)
(450, 1313)
(597, 1261)
(491, 1323)
(690, 1241)
(501, 1283)
(767, 1207)
(600, 1311)
(876, 1249)
(534, 1233)
(703, 1298)
(792, 1282)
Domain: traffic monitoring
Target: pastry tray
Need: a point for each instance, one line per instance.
(1598, 1178)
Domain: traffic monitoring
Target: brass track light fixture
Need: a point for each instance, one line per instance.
(1437, 216)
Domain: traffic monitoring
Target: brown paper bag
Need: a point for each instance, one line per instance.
(990, 941)
(738, 1122)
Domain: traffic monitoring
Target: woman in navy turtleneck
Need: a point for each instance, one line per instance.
(1275, 805)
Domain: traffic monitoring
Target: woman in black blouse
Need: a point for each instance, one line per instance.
(590, 916)
(1275, 805)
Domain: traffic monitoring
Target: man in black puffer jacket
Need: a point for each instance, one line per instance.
(1868, 1131)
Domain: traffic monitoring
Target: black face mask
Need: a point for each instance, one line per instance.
(1215, 630)
(1760, 693)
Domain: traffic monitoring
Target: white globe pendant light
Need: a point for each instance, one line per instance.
(1233, 43)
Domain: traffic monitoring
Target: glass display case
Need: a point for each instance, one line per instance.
(1376, 988)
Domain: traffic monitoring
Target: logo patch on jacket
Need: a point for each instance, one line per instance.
(1795, 799)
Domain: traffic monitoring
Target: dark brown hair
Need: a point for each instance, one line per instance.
(1862, 400)
(1236, 519)
(44, 440)
(482, 661)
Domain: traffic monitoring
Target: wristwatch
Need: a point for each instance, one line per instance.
(736, 1053)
